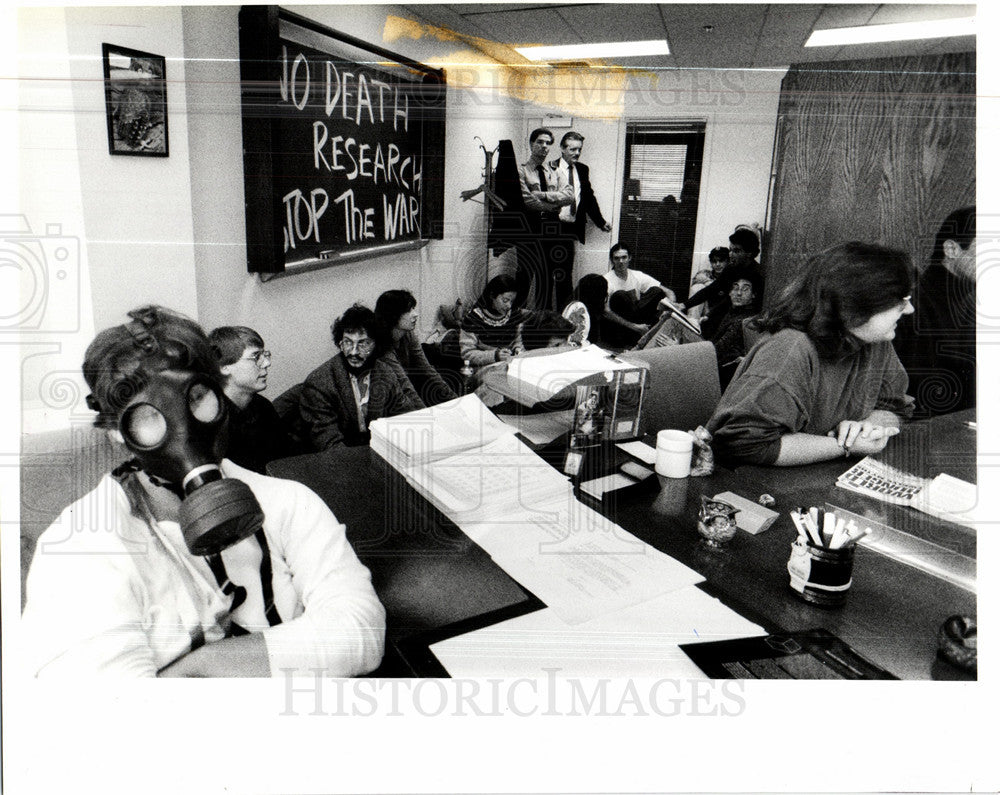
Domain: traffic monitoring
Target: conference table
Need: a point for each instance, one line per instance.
(436, 583)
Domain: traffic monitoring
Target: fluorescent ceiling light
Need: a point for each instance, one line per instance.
(611, 49)
(899, 31)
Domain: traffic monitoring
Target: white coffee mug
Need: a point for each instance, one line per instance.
(673, 453)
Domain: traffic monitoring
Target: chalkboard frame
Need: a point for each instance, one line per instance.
(260, 54)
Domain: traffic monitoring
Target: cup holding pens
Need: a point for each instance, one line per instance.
(821, 575)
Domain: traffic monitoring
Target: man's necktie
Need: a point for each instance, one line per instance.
(542, 182)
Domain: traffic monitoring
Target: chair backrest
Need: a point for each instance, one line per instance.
(682, 389)
(751, 335)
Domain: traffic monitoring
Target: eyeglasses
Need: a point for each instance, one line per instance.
(363, 346)
(621, 257)
(259, 358)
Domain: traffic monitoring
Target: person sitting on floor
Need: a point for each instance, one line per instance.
(633, 299)
(396, 310)
(256, 433)
(827, 382)
(491, 329)
(344, 394)
(218, 572)
(728, 339)
(701, 279)
(743, 250)
(586, 309)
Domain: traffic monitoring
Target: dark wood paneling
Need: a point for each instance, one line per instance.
(879, 150)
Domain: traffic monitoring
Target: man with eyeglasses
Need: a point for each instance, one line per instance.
(256, 434)
(341, 396)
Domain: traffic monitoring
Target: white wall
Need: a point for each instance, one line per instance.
(46, 295)
(137, 210)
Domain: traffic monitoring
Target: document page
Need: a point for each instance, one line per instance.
(950, 499)
(540, 428)
(500, 478)
(427, 434)
(640, 640)
(578, 562)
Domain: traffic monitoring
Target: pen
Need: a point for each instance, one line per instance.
(800, 526)
(839, 536)
(853, 539)
(811, 530)
(829, 528)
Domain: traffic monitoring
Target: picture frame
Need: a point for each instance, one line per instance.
(135, 98)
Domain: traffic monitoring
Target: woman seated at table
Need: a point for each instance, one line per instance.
(491, 329)
(586, 308)
(826, 382)
(396, 311)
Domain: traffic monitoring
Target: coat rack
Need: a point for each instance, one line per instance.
(490, 198)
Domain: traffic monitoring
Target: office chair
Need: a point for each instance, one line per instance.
(682, 389)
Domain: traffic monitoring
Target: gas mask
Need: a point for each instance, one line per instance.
(175, 427)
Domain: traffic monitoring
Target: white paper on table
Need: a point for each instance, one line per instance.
(640, 640)
(950, 499)
(428, 434)
(580, 563)
(500, 478)
(540, 428)
(597, 486)
(538, 378)
(640, 450)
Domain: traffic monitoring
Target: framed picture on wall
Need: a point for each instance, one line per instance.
(135, 96)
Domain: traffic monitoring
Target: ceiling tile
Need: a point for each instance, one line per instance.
(533, 26)
(891, 12)
(632, 22)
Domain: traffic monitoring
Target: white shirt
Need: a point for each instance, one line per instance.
(636, 281)
(562, 170)
(111, 593)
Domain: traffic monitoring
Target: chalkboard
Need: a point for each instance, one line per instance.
(343, 151)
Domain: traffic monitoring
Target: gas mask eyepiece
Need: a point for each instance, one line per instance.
(175, 427)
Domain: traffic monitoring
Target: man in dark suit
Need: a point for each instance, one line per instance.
(573, 217)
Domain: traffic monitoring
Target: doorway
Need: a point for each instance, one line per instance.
(659, 210)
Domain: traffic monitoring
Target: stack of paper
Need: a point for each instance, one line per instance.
(501, 478)
(436, 432)
(539, 378)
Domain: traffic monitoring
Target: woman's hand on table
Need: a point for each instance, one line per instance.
(863, 437)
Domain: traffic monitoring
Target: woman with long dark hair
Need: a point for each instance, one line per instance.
(826, 382)
(396, 311)
(490, 331)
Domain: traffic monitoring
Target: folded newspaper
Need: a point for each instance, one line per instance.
(944, 496)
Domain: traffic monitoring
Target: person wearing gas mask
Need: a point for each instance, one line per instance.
(256, 435)
(341, 396)
(181, 563)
